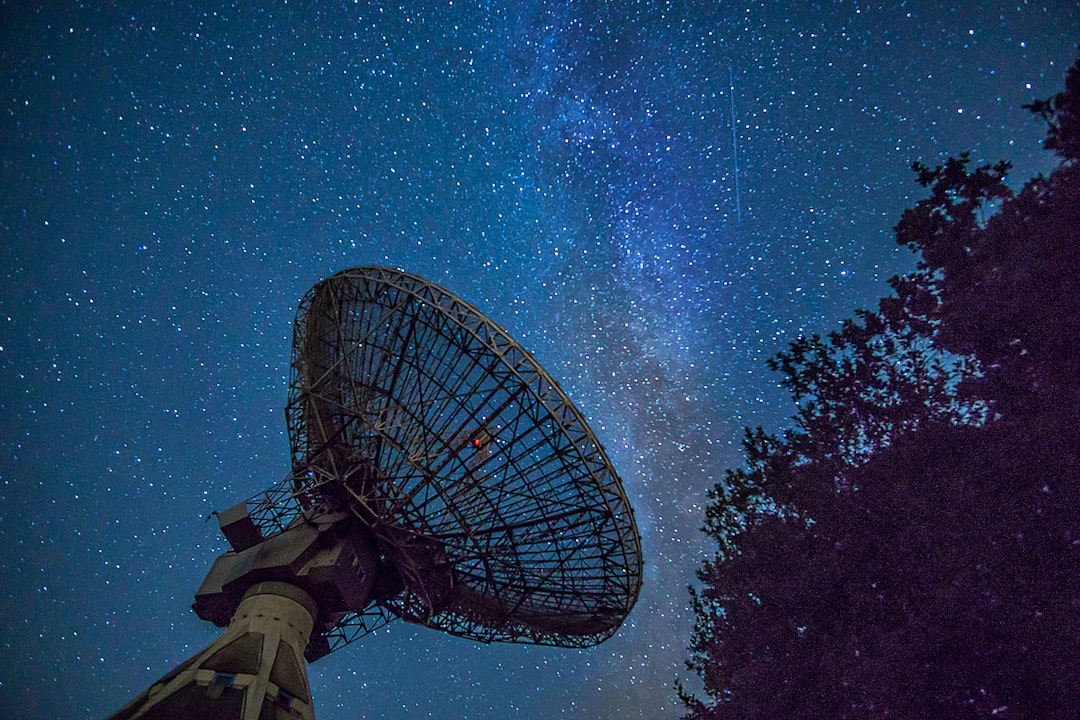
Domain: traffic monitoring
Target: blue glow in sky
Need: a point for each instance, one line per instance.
(174, 180)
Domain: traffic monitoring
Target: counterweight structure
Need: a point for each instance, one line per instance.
(439, 475)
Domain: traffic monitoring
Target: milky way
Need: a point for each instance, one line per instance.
(175, 180)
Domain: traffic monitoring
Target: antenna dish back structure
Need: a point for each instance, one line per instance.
(439, 475)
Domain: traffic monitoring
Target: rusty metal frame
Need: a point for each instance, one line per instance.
(480, 480)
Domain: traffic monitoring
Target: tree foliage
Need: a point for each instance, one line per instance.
(911, 546)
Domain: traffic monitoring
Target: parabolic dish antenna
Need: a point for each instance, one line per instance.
(439, 475)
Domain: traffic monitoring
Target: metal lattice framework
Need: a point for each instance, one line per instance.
(479, 480)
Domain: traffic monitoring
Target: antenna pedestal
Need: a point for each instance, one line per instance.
(254, 670)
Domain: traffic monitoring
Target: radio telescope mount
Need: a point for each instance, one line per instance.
(439, 475)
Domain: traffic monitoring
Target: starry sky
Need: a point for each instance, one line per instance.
(652, 197)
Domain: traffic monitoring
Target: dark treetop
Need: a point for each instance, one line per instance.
(910, 548)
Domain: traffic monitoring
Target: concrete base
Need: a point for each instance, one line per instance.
(254, 671)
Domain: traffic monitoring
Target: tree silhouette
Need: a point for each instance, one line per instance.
(911, 547)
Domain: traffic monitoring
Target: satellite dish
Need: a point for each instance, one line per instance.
(439, 475)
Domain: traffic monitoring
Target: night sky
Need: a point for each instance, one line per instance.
(173, 181)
